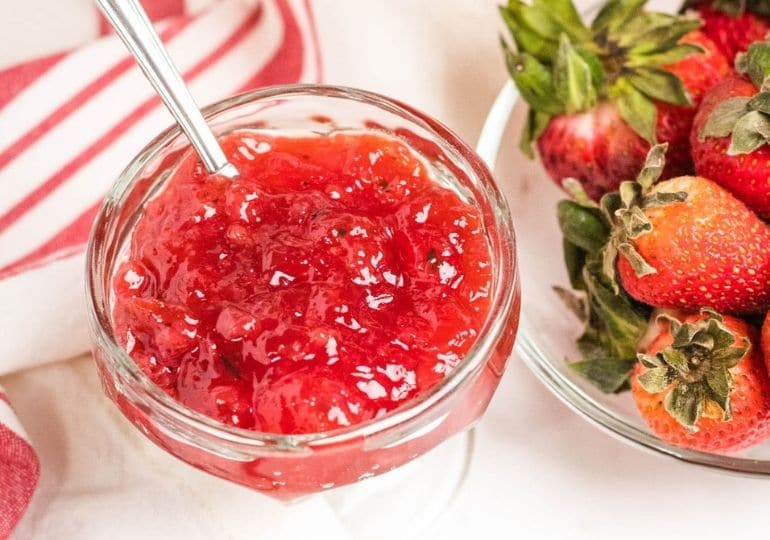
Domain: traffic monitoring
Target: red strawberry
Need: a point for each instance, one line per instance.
(687, 243)
(597, 147)
(600, 96)
(703, 384)
(732, 128)
(733, 25)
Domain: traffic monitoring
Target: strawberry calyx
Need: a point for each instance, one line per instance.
(625, 211)
(746, 120)
(613, 323)
(563, 66)
(694, 370)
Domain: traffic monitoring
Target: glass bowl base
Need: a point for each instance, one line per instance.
(406, 502)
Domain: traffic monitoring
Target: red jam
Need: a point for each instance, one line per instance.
(332, 282)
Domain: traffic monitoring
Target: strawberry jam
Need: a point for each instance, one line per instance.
(334, 280)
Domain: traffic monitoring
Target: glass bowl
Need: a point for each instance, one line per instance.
(548, 331)
(290, 466)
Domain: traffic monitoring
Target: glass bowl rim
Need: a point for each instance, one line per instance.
(504, 288)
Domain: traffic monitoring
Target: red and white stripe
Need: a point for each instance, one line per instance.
(69, 124)
(19, 468)
(54, 171)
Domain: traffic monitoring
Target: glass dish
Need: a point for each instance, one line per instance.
(548, 331)
(290, 466)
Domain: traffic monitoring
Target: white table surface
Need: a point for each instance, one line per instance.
(538, 470)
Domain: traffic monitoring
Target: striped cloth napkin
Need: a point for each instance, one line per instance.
(19, 468)
(69, 123)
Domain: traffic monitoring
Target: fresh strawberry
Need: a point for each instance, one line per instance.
(686, 243)
(596, 147)
(600, 95)
(708, 250)
(733, 25)
(703, 384)
(731, 130)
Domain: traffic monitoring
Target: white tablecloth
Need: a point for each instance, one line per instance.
(538, 469)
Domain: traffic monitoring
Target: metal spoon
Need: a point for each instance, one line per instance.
(131, 23)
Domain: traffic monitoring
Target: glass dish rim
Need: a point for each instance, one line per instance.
(504, 288)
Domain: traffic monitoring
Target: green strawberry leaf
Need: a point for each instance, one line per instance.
(653, 167)
(574, 260)
(527, 40)
(723, 402)
(635, 108)
(598, 76)
(760, 102)
(609, 260)
(615, 13)
(533, 32)
(610, 375)
(534, 126)
(676, 358)
(629, 194)
(650, 361)
(532, 17)
(660, 85)
(664, 58)
(634, 221)
(720, 382)
(723, 118)
(578, 193)
(614, 322)
(531, 43)
(583, 227)
(594, 343)
(685, 403)
(654, 32)
(573, 79)
(641, 267)
(730, 357)
(751, 131)
(564, 14)
(609, 204)
(624, 320)
(656, 379)
(576, 302)
(755, 62)
(534, 82)
(656, 200)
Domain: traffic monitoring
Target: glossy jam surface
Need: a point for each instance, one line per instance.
(330, 283)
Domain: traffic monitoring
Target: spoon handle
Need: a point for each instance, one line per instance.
(131, 23)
